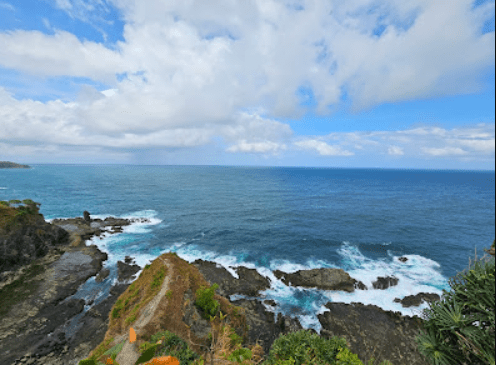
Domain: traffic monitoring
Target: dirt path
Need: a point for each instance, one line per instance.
(129, 353)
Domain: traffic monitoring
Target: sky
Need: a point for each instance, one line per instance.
(325, 83)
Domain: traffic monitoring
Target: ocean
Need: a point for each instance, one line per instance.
(360, 220)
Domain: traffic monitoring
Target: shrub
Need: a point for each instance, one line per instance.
(87, 362)
(206, 302)
(450, 335)
(173, 345)
(304, 347)
(345, 357)
(240, 355)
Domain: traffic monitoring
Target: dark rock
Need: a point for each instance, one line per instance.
(126, 271)
(384, 283)
(270, 302)
(30, 239)
(403, 259)
(417, 299)
(325, 279)
(360, 285)
(86, 216)
(128, 259)
(102, 275)
(262, 323)
(368, 327)
(250, 282)
(192, 317)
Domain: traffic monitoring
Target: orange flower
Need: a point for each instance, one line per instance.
(163, 360)
(132, 335)
(109, 361)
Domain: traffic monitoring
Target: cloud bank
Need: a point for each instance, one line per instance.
(191, 73)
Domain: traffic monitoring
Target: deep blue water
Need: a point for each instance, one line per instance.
(360, 220)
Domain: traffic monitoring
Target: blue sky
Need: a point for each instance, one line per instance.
(388, 84)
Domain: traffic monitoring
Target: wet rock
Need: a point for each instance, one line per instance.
(128, 259)
(270, 302)
(366, 327)
(360, 285)
(126, 271)
(384, 283)
(324, 278)
(403, 259)
(417, 299)
(86, 216)
(102, 275)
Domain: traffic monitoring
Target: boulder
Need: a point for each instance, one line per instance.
(384, 283)
(126, 271)
(324, 278)
(86, 216)
(360, 285)
(417, 299)
(270, 302)
(367, 328)
(102, 275)
(250, 282)
(403, 259)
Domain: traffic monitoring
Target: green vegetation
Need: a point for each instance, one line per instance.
(158, 278)
(169, 345)
(13, 211)
(206, 302)
(240, 355)
(450, 335)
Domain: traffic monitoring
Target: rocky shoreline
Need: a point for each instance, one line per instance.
(37, 329)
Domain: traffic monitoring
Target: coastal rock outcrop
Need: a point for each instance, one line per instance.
(385, 282)
(126, 270)
(250, 282)
(26, 237)
(325, 279)
(373, 332)
(417, 299)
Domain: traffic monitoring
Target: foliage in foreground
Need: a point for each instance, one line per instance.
(451, 335)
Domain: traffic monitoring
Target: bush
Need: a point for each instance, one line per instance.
(451, 336)
(240, 355)
(345, 357)
(173, 345)
(304, 347)
(206, 302)
(87, 362)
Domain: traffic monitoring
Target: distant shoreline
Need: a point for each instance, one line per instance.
(12, 165)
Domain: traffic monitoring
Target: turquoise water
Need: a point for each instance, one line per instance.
(360, 220)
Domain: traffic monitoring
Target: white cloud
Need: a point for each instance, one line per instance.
(266, 147)
(7, 6)
(445, 151)
(322, 148)
(395, 151)
(192, 69)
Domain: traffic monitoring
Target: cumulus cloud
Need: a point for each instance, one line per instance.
(322, 148)
(188, 72)
(395, 151)
(266, 147)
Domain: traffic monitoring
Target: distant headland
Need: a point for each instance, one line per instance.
(12, 165)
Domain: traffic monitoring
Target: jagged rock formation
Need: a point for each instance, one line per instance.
(417, 299)
(250, 282)
(325, 279)
(385, 282)
(368, 328)
(25, 236)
